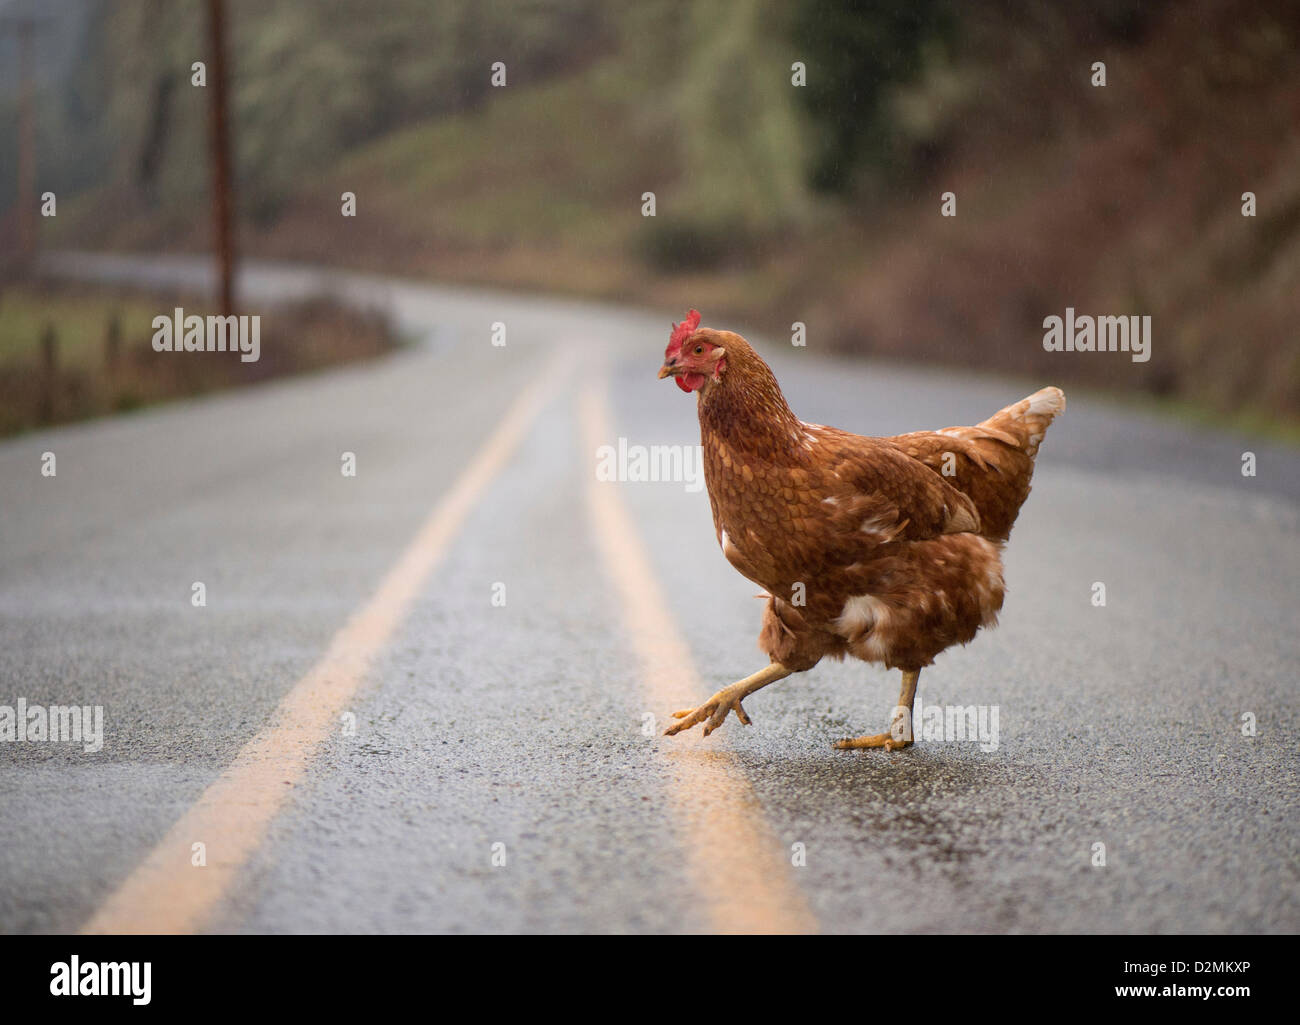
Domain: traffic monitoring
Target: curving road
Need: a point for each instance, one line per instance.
(363, 737)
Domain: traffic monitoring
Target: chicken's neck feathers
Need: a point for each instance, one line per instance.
(747, 411)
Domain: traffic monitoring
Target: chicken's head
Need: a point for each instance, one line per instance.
(693, 356)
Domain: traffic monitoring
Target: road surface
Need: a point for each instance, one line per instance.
(418, 698)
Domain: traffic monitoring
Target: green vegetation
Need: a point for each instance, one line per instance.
(859, 54)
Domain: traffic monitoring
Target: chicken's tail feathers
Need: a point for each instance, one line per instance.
(1023, 424)
(992, 462)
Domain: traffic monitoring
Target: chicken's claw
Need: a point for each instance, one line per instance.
(900, 729)
(715, 710)
(727, 700)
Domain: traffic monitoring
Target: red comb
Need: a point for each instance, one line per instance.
(681, 332)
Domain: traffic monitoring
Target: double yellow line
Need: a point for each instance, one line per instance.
(736, 868)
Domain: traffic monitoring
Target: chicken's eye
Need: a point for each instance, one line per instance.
(699, 349)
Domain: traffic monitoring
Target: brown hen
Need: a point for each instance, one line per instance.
(886, 549)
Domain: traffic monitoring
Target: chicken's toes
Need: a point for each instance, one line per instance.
(715, 710)
(884, 741)
(719, 715)
(689, 717)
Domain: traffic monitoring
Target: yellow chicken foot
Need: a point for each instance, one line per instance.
(727, 700)
(900, 730)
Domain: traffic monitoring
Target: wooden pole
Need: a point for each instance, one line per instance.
(24, 29)
(26, 148)
(222, 201)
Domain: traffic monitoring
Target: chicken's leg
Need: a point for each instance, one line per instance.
(727, 700)
(900, 729)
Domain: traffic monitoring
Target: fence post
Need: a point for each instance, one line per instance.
(49, 372)
(113, 344)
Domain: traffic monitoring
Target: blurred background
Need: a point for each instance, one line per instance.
(775, 201)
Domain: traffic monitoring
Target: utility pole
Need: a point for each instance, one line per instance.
(24, 28)
(222, 202)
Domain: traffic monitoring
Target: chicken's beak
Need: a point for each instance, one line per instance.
(666, 371)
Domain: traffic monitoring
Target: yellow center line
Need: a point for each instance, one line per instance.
(735, 864)
(166, 893)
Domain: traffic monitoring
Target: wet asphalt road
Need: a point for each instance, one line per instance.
(521, 725)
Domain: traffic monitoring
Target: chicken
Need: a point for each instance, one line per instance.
(885, 549)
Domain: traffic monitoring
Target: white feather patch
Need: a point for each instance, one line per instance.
(860, 615)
